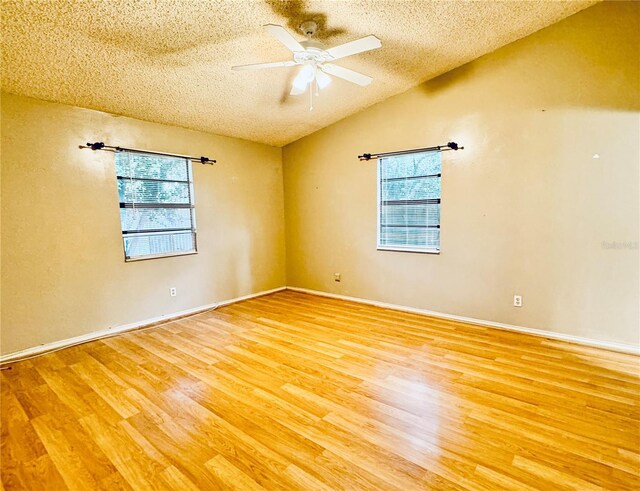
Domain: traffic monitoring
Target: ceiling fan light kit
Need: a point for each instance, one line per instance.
(316, 61)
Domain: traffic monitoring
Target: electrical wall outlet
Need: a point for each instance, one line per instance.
(173, 292)
(517, 300)
(337, 277)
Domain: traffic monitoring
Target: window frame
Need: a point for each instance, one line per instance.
(191, 206)
(391, 248)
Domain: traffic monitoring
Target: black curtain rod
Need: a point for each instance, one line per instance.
(102, 146)
(441, 148)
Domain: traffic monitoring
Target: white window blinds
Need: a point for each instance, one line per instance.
(156, 205)
(409, 202)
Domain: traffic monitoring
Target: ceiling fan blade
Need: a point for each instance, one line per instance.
(346, 74)
(354, 47)
(284, 36)
(296, 90)
(257, 66)
(302, 80)
(322, 79)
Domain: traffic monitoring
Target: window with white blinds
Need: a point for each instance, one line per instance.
(409, 202)
(156, 205)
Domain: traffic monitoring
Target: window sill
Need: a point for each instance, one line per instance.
(158, 256)
(407, 249)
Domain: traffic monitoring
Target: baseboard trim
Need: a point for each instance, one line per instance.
(596, 343)
(94, 336)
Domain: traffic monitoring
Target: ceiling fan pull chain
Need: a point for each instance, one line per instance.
(314, 80)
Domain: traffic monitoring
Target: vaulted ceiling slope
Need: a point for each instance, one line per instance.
(169, 61)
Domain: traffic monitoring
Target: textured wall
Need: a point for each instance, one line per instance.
(63, 272)
(526, 209)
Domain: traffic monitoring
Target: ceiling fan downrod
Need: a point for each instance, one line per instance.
(309, 28)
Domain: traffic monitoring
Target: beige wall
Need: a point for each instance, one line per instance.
(63, 272)
(526, 208)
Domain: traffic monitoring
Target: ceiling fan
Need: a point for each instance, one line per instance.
(315, 60)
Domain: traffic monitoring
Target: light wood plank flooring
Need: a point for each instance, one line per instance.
(295, 391)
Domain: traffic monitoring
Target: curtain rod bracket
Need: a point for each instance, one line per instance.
(96, 145)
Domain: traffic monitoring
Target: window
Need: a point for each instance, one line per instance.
(156, 205)
(409, 202)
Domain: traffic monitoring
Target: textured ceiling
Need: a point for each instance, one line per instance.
(169, 61)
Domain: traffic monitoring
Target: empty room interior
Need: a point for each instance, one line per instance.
(320, 245)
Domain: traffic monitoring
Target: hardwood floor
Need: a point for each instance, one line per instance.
(294, 391)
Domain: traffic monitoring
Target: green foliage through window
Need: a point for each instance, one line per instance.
(156, 205)
(409, 201)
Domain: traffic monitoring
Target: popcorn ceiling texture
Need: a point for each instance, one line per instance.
(169, 61)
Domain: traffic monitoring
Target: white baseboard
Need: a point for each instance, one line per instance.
(621, 347)
(95, 335)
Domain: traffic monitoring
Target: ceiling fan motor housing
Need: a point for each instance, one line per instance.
(314, 52)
